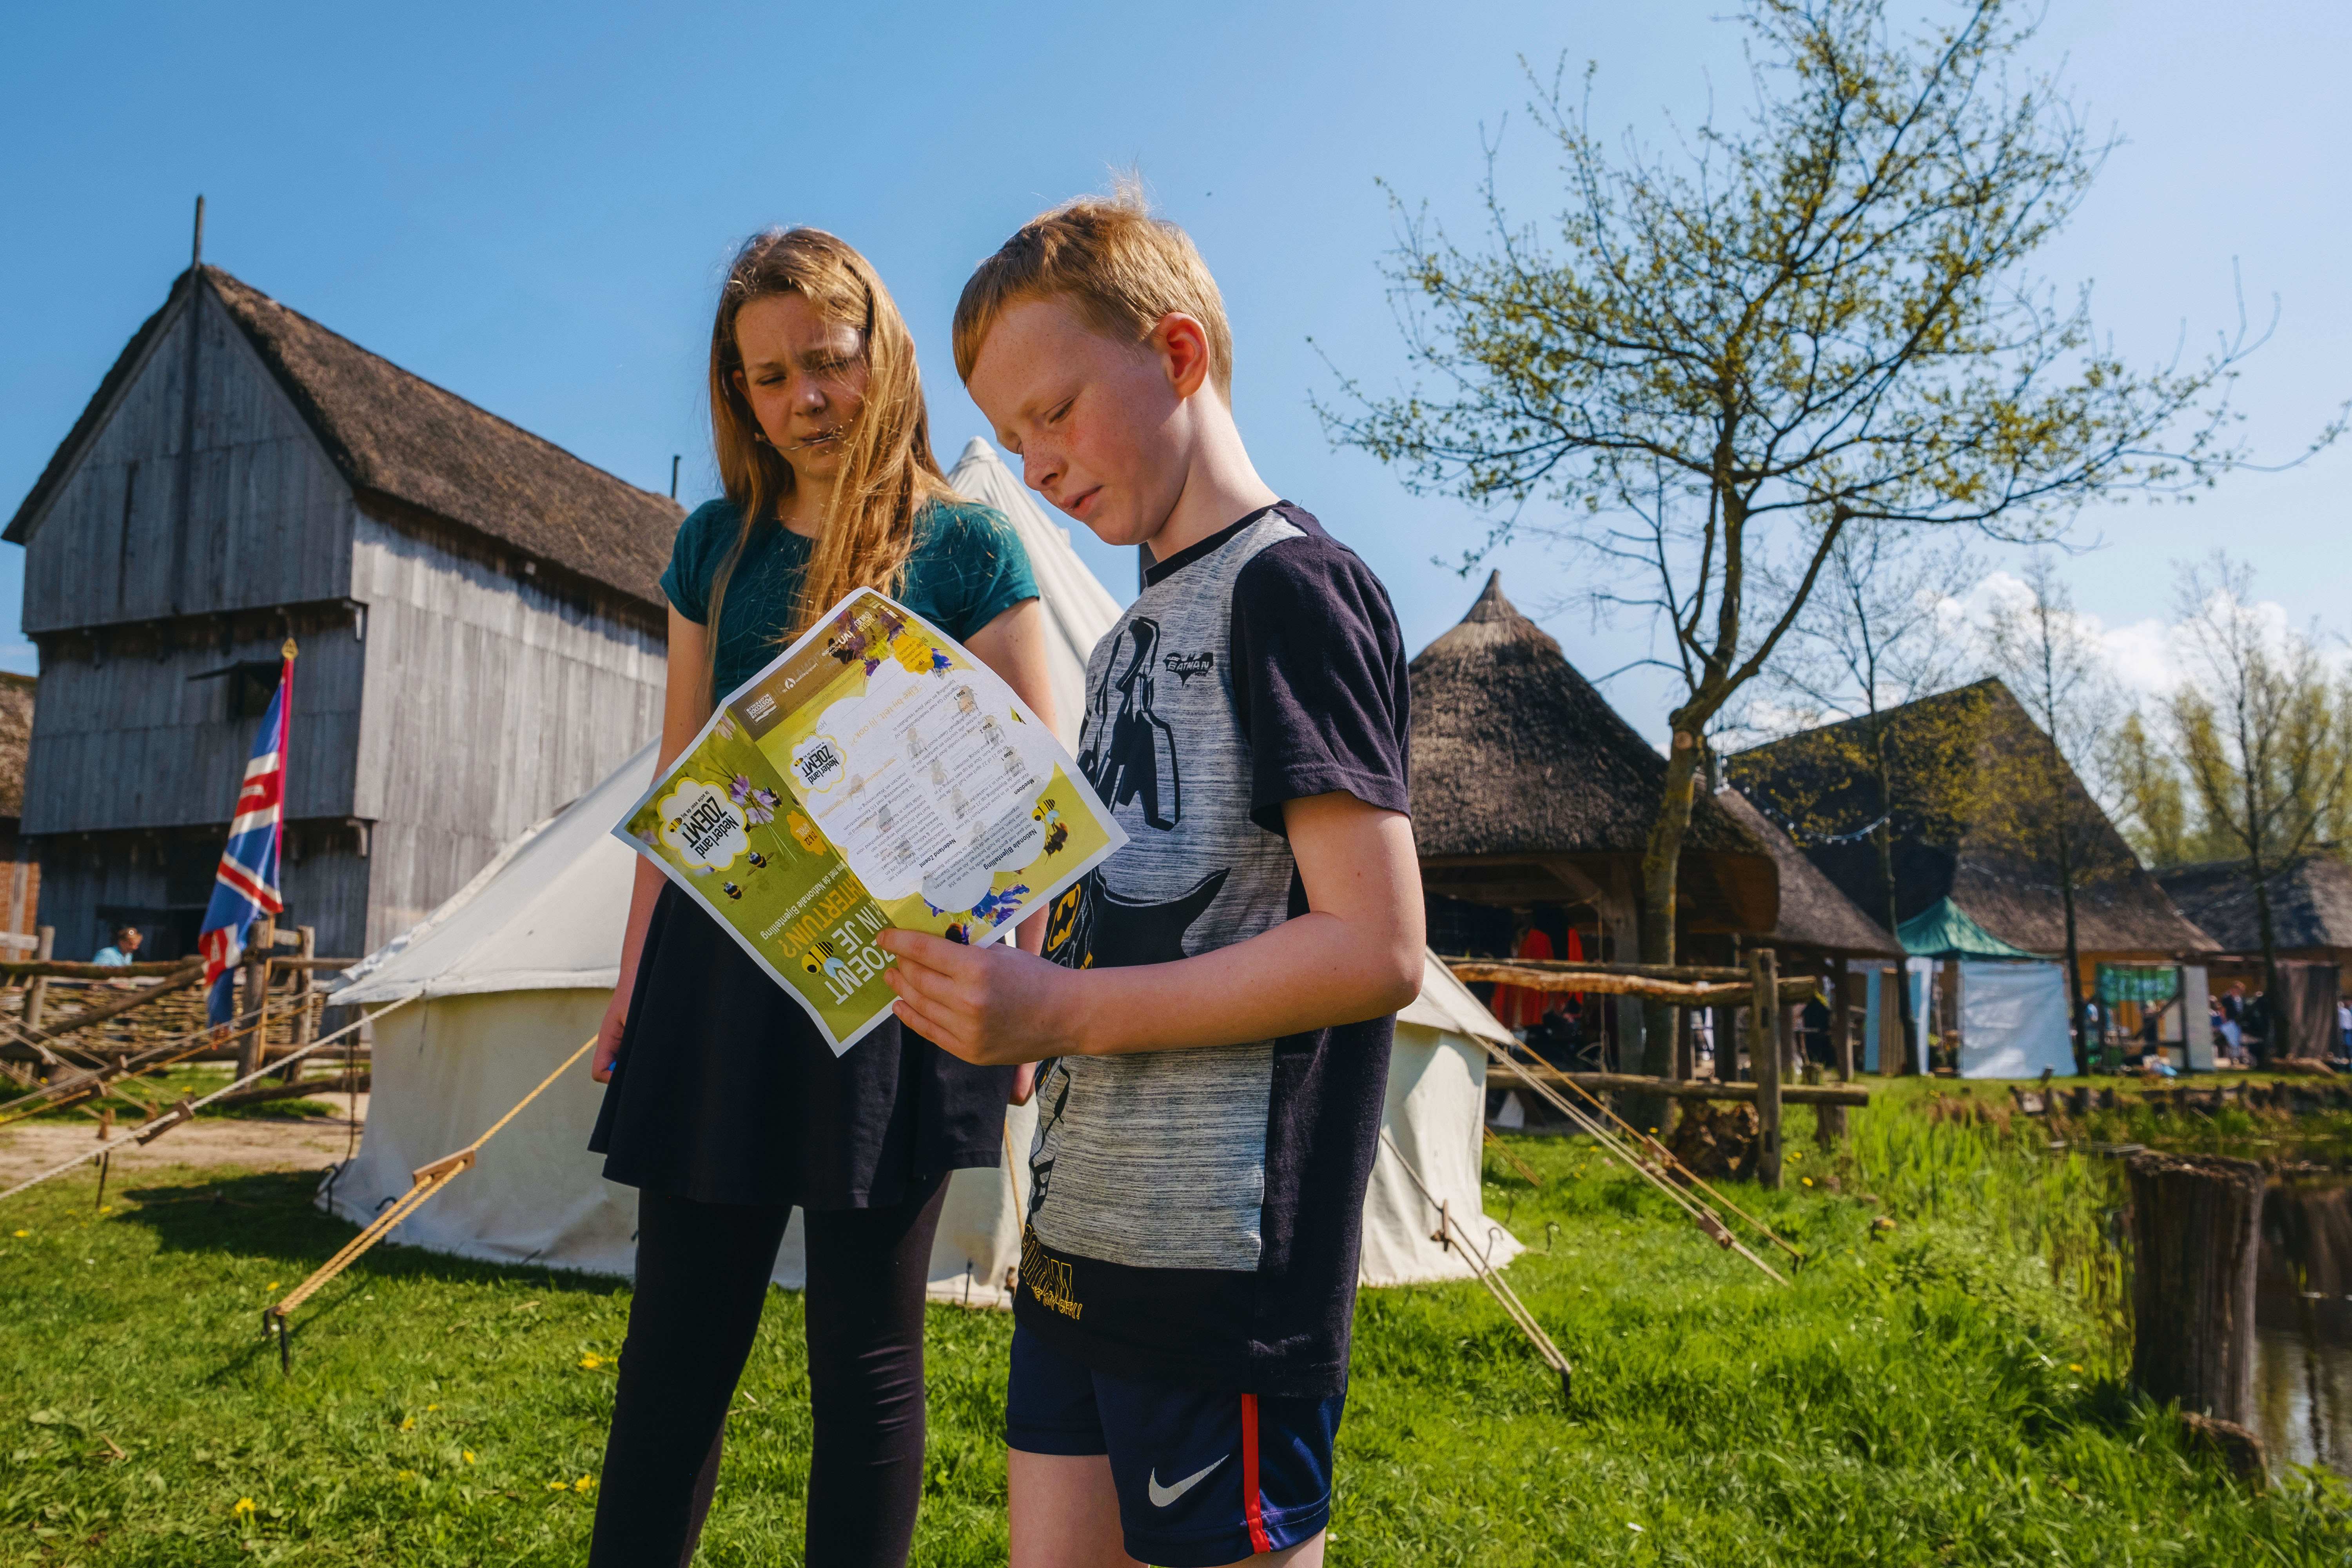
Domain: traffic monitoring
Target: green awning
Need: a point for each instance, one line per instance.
(2137, 983)
(1943, 930)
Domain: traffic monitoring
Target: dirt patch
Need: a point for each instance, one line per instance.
(291, 1144)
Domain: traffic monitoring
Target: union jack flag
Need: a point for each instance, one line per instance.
(245, 887)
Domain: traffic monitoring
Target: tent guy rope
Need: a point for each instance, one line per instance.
(1703, 1216)
(429, 1179)
(1451, 1237)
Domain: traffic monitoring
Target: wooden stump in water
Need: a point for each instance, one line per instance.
(2196, 1227)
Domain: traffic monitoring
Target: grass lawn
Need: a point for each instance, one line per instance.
(1944, 1391)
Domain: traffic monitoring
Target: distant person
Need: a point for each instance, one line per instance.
(2343, 1027)
(2239, 1014)
(2225, 1031)
(724, 1109)
(123, 950)
(1813, 1025)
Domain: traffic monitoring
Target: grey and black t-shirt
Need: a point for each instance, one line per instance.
(1194, 1215)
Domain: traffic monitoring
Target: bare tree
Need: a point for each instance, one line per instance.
(2264, 735)
(1874, 636)
(2043, 799)
(1814, 320)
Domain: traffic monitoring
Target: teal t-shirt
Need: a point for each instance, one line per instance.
(967, 567)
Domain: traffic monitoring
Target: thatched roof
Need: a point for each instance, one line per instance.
(1813, 912)
(2311, 902)
(398, 438)
(1514, 754)
(16, 737)
(1949, 755)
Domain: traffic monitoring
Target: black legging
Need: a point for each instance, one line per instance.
(702, 1277)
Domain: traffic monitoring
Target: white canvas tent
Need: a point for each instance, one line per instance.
(1079, 608)
(2013, 1020)
(510, 976)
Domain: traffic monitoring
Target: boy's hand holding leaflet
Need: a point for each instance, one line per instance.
(1356, 953)
(875, 776)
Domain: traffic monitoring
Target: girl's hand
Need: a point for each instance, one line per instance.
(992, 1006)
(608, 1037)
(1024, 1084)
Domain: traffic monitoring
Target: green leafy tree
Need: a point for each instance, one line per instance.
(2264, 738)
(1784, 328)
(2151, 808)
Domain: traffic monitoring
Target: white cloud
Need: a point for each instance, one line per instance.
(2147, 659)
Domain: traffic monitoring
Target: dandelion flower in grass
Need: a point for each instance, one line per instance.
(22, 1234)
(432, 1407)
(2071, 1366)
(1807, 1179)
(469, 1454)
(406, 1475)
(592, 1360)
(408, 1423)
(244, 1506)
(583, 1484)
(559, 1485)
(271, 1286)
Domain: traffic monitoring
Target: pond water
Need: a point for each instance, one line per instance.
(2303, 1317)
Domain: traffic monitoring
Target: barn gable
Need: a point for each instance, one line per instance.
(478, 612)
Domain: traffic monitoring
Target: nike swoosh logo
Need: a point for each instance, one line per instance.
(1163, 1496)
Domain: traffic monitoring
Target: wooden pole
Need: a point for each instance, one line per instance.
(2196, 1230)
(250, 1045)
(306, 946)
(1829, 1120)
(1764, 1062)
(36, 995)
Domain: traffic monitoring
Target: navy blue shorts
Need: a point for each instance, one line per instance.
(1202, 1478)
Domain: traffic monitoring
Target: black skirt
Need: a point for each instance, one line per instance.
(725, 1093)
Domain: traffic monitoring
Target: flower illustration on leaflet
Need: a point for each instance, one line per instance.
(759, 805)
(996, 905)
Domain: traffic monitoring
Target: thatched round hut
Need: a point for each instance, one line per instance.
(1529, 792)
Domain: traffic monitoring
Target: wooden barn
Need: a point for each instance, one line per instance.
(1973, 883)
(478, 613)
(20, 894)
(2311, 921)
(2310, 899)
(1952, 855)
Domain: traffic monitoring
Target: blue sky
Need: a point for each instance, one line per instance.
(530, 205)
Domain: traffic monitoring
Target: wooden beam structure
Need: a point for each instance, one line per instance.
(1764, 1061)
(1701, 1088)
(1606, 983)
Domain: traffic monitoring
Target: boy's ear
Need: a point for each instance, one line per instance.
(1182, 345)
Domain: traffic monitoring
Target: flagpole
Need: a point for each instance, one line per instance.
(285, 735)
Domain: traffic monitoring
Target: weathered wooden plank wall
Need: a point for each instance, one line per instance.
(134, 743)
(490, 703)
(268, 519)
(326, 888)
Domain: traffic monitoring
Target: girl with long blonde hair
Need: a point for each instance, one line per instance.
(724, 1108)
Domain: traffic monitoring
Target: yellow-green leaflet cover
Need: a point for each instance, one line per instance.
(874, 774)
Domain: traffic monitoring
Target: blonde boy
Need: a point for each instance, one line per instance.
(1214, 1008)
